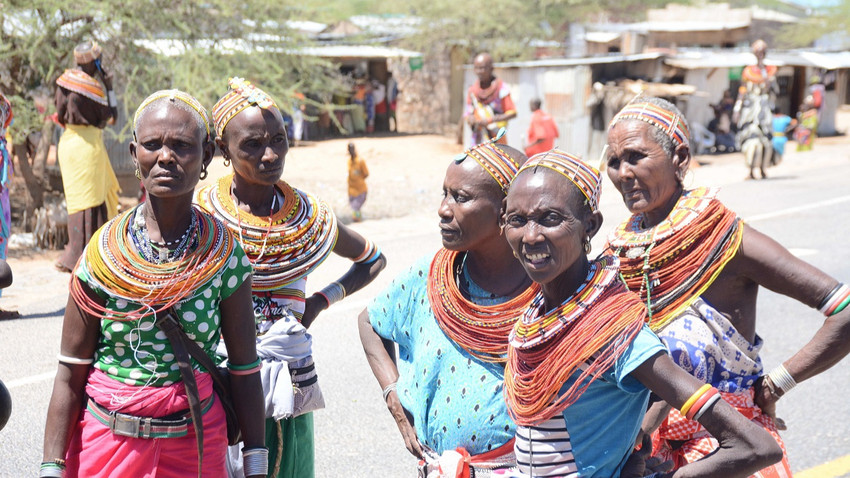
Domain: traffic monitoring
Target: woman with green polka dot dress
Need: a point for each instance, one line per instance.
(119, 405)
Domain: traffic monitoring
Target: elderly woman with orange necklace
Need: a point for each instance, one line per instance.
(581, 361)
(698, 268)
(127, 399)
(286, 233)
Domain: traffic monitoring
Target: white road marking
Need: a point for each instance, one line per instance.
(796, 209)
(30, 380)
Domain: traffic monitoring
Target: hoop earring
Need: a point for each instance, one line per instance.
(689, 179)
(138, 173)
(203, 174)
(587, 246)
(226, 162)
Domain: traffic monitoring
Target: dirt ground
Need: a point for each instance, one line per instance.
(406, 173)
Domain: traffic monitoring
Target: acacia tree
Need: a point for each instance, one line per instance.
(148, 45)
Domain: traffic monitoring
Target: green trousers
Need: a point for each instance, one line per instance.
(290, 443)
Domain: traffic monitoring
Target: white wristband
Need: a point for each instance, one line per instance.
(781, 378)
(388, 390)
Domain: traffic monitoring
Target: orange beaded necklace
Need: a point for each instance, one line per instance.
(671, 264)
(586, 334)
(481, 330)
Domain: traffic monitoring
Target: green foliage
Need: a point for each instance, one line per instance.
(216, 39)
(825, 20)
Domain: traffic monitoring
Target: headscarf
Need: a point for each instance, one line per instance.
(83, 54)
(585, 177)
(173, 95)
(498, 164)
(242, 95)
(671, 123)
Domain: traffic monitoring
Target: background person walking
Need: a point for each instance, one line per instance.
(357, 189)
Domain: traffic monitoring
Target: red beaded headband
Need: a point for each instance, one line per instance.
(242, 95)
(501, 167)
(667, 121)
(585, 177)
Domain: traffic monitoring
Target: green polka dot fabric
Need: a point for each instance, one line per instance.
(138, 353)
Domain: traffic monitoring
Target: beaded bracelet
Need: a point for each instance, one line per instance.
(836, 300)
(333, 293)
(841, 306)
(700, 402)
(255, 461)
(782, 379)
(369, 255)
(74, 360)
(705, 406)
(247, 371)
(388, 389)
(52, 469)
(686, 407)
(241, 368)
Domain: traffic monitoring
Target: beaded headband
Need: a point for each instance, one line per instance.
(494, 160)
(242, 95)
(667, 121)
(173, 95)
(88, 56)
(586, 178)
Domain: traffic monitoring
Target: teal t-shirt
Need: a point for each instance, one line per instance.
(456, 400)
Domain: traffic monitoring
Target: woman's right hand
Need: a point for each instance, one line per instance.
(403, 422)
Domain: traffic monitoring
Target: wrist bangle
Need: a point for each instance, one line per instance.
(74, 360)
(110, 95)
(333, 292)
(782, 379)
(52, 469)
(389, 388)
(255, 461)
(831, 304)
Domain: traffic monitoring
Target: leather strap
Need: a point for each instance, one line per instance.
(180, 344)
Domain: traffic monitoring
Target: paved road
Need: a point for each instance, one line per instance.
(805, 206)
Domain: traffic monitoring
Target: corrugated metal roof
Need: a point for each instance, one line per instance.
(697, 60)
(228, 46)
(594, 60)
(692, 26)
(602, 37)
(357, 51)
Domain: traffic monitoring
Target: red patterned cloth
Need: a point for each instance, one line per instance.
(699, 443)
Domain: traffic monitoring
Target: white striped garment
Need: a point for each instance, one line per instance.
(544, 450)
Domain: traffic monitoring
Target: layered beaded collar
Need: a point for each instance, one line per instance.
(631, 233)
(283, 247)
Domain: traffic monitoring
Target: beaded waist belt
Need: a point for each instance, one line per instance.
(172, 426)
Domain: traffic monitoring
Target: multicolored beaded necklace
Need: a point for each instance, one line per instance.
(586, 334)
(671, 264)
(481, 330)
(283, 247)
(118, 267)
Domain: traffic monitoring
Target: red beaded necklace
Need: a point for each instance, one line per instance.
(481, 330)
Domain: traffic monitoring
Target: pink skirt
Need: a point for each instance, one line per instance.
(95, 451)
